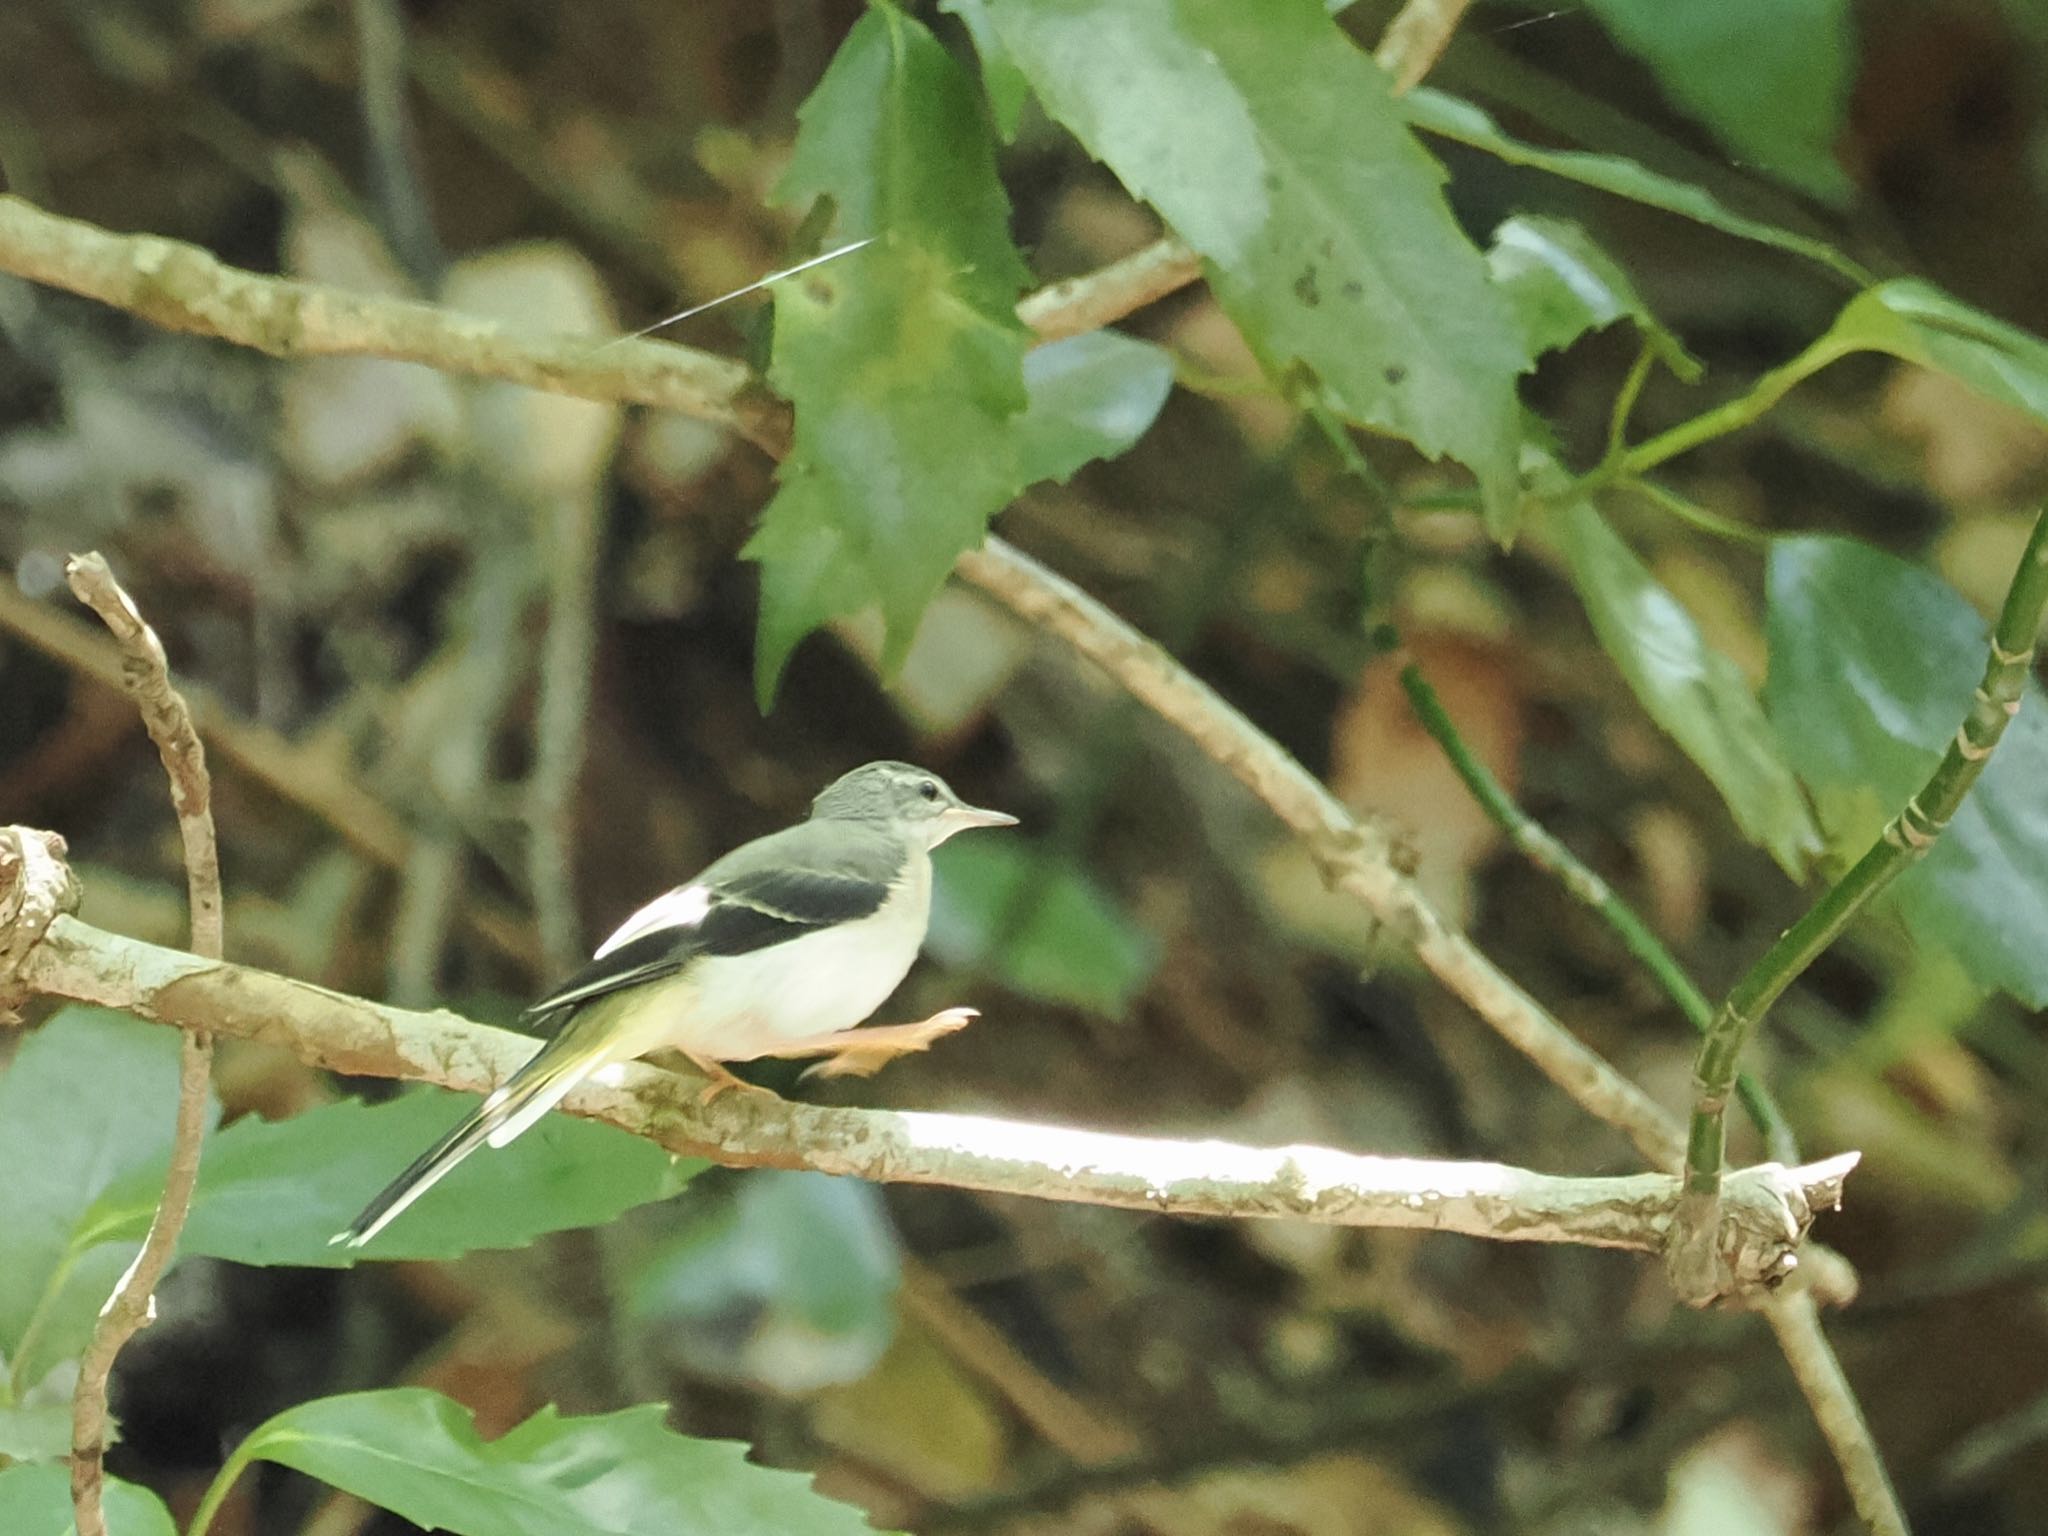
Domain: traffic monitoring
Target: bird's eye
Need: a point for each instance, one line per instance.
(928, 789)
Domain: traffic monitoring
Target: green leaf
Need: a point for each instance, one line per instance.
(36, 1501)
(1873, 662)
(1561, 285)
(905, 364)
(808, 1261)
(1916, 321)
(1694, 692)
(38, 1432)
(1045, 928)
(418, 1454)
(1001, 80)
(274, 1191)
(1768, 78)
(1451, 118)
(1090, 397)
(89, 1097)
(1275, 149)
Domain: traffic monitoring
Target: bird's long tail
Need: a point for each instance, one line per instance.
(551, 1072)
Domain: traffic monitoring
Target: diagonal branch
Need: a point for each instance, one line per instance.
(1357, 858)
(147, 677)
(1766, 1218)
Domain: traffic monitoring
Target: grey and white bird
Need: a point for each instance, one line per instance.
(780, 948)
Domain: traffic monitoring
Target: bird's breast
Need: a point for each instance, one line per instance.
(826, 980)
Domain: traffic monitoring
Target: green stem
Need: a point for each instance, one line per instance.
(1734, 414)
(1911, 833)
(39, 1319)
(1535, 843)
(223, 1483)
(1625, 402)
(1692, 512)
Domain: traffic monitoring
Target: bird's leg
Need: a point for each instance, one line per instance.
(717, 1078)
(860, 1051)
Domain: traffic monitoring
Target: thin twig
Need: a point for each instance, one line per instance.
(490, 657)
(1535, 843)
(1796, 1323)
(560, 720)
(1103, 297)
(1080, 1431)
(184, 288)
(1903, 843)
(148, 680)
(306, 777)
(1416, 38)
(1766, 1218)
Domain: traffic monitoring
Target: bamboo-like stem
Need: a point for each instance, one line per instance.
(1535, 843)
(147, 677)
(1902, 843)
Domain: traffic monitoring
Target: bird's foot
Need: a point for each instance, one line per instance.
(860, 1052)
(718, 1078)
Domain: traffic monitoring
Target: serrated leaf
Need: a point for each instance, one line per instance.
(1044, 927)
(1561, 285)
(275, 1191)
(1873, 662)
(1001, 80)
(1275, 149)
(36, 1501)
(89, 1097)
(1768, 78)
(1452, 118)
(1916, 321)
(1087, 397)
(905, 365)
(1698, 695)
(418, 1454)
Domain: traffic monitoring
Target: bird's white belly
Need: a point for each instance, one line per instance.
(742, 1006)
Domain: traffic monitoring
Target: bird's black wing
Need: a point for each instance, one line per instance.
(771, 906)
(649, 957)
(766, 893)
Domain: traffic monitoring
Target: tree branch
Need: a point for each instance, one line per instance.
(147, 678)
(1357, 858)
(1766, 1219)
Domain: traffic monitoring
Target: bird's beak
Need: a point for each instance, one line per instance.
(959, 818)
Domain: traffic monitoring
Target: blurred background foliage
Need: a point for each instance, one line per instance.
(481, 671)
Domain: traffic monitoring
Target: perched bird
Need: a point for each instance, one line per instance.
(780, 948)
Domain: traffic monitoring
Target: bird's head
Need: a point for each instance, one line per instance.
(904, 795)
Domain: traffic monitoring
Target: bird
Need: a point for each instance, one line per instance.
(780, 948)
